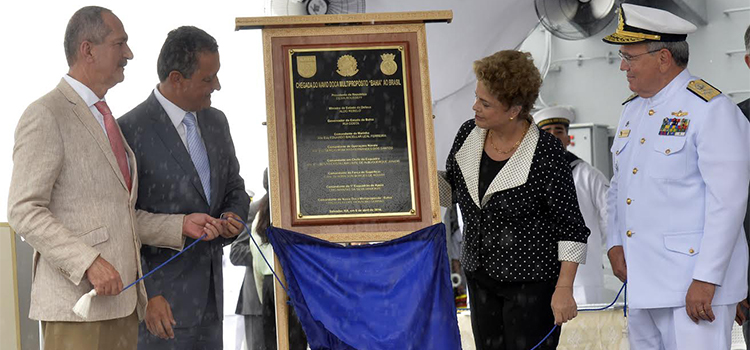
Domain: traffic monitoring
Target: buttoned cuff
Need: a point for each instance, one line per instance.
(571, 251)
(445, 190)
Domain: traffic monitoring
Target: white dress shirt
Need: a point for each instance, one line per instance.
(176, 115)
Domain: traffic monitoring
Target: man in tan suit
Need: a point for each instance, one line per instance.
(73, 194)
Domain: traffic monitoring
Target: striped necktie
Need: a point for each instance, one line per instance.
(198, 154)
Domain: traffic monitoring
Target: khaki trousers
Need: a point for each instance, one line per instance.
(117, 334)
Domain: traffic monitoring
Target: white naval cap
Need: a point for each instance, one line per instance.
(554, 115)
(640, 23)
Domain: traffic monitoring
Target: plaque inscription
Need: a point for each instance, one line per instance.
(352, 133)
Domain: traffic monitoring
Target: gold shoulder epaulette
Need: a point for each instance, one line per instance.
(703, 89)
(632, 97)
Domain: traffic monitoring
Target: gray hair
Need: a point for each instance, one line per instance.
(86, 24)
(680, 50)
(747, 40)
(180, 51)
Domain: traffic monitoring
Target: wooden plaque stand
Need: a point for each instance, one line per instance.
(290, 44)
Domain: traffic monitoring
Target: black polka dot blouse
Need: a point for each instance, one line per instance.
(528, 220)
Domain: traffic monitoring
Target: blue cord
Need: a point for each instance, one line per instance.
(249, 233)
(545, 338)
(164, 263)
(625, 308)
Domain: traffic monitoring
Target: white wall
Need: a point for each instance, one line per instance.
(34, 62)
(596, 88)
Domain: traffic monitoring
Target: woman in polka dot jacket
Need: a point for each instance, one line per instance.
(524, 235)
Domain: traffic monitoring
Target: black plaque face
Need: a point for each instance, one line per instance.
(352, 132)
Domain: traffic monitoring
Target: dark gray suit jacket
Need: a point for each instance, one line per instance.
(170, 184)
(745, 108)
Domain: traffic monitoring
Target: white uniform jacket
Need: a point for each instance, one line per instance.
(591, 189)
(678, 195)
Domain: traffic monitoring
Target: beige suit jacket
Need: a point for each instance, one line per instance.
(69, 200)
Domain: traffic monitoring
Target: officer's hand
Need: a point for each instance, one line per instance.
(159, 320)
(104, 277)
(742, 309)
(617, 259)
(563, 305)
(698, 301)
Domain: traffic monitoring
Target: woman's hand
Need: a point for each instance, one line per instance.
(563, 305)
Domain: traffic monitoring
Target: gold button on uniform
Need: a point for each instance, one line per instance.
(668, 151)
(651, 112)
(629, 201)
(635, 170)
(629, 233)
(691, 251)
(643, 140)
(617, 153)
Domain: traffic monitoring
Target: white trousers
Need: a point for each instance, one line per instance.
(672, 329)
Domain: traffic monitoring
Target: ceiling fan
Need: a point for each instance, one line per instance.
(575, 19)
(313, 7)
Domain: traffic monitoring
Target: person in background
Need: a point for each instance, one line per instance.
(264, 278)
(591, 190)
(679, 191)
(524, 235)
(248, 303)
(743, 308)
(454, 237)
(72, 197)
(187, 163)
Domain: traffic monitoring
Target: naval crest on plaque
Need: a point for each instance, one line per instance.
(306, 66)
(388, 66)
(347, 66)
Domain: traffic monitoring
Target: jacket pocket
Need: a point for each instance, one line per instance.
(96, 236)
(670, 160)
(688, 243)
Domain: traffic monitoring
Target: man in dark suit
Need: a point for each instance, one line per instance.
(745, 105)
(742, 307)
(186, 163)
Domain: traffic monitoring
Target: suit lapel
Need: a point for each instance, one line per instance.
(82, 111)
(513, 174)
(172, 142)
(516, 171)
(468, 159)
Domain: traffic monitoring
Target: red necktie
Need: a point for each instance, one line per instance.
(113, 133)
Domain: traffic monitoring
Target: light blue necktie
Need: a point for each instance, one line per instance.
(198, 154)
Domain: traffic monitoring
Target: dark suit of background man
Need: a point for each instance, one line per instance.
(186, 163)
(742, 307)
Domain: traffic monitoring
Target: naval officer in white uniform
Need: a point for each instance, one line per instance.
(679, 192)
(678, 196)
(591, 190)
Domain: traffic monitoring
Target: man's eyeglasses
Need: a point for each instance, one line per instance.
(628, 58)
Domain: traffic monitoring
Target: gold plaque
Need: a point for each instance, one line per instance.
(388, 66)
(347, 66)
(306, 66)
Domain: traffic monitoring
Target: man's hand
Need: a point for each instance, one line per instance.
(563, 305)
(616, 257)
(698, 301)
(159, 320)
(742, 308)
(196, 224)
(232, 225)
(104, 277)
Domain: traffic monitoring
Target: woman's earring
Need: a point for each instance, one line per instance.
(511, 118)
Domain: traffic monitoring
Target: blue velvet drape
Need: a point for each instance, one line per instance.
(391, 295)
